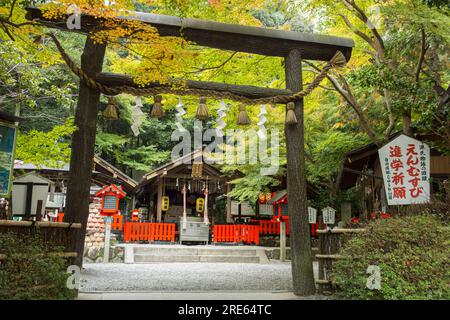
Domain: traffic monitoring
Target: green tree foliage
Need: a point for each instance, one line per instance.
(50, 148)
(32, 269)
(382, 81)
(412, 253)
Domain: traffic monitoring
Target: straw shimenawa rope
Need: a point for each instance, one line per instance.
(337, 61)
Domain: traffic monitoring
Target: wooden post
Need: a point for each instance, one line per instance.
(282, 241)
(39, 210)
(301, 256)
(229, 215)
(346, 212)
(159, 201)
(205, 211)
(107, 239)
(184, 218)
(83, 143)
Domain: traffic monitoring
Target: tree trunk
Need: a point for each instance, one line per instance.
(406, 118)
(83, 143)
(301, 256)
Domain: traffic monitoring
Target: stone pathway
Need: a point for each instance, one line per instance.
(113, 277)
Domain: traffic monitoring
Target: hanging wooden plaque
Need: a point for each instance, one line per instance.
(197, 170)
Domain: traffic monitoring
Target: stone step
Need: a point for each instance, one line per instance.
(230, 259)
(166, 251)
(195, 251)
(144, 258)
(227, 252)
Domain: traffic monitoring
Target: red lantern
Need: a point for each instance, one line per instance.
(268, 196)
(135, 215)
(110, 196)
(262, 198)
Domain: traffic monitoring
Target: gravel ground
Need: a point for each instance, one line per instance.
(162, 277)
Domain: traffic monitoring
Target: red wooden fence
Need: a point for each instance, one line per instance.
(273, 227)
(149, 231)
(117, 223)
(236, 233)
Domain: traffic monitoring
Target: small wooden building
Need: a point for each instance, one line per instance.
(165, 184)
(103, 174)
(361, 168)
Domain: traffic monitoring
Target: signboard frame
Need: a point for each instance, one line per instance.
(12, 126)
(406, 168)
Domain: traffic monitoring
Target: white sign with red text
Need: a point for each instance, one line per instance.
(405, 163)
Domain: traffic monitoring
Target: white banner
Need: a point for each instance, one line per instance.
(405, 163)
(329, 215)
(312, 215)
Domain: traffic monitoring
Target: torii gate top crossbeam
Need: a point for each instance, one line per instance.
(224, 36)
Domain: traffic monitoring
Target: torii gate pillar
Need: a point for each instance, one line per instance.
(83, 144)
(301, 256)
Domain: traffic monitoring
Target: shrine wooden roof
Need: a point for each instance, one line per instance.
(177, 168)
(104, 173)
(365, 158)
(257, 40)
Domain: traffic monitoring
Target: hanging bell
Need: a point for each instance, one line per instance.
(243, 118)
(290, 114)
(202, 110)
(110, 112)
(157, 110)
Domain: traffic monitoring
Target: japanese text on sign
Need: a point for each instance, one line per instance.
(405, 163)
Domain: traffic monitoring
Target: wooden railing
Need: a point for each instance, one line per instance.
(148, 231)
(270, 227)
(236, 233)
(117, 223)
(330, 244)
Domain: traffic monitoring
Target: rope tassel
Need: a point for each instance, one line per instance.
(338, 60)
(110, 112)
(157, 110)
(202, 110)
(243, 118)
(290, 114)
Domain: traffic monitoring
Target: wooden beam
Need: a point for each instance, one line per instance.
(222, 36)
(251, 92)
(301, 255)
(40, 224)
(329, 256)
(341, 230)
(83, 143)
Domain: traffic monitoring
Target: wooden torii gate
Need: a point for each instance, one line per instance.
(291, 46)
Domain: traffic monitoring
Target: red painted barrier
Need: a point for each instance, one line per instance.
(236, 233)
(271, 227)
(117, 223)
(149, 231)
(314, 228)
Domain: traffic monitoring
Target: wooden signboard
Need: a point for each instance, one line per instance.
(7, 143)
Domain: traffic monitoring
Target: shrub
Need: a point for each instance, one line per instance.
(413, 255)
(31, 269)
